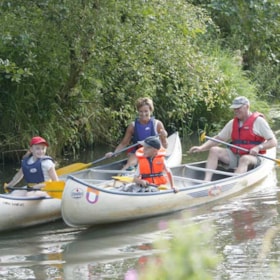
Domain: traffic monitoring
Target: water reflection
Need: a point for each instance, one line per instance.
(111, 250)
(244, 226)
(241, 233)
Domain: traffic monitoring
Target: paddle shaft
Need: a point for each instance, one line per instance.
(80, 166)
(239, 148)
(115, 153)
(49, 186)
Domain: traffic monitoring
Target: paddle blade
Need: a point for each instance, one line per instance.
(53, 186)
(163, 187)
(124, 179)
(55, 194)
(202, 137)
(72, 168)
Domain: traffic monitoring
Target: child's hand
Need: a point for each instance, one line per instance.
(175, 190)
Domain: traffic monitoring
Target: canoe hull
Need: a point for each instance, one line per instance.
(84, 204)
(20, 212)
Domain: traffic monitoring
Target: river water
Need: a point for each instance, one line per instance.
(243, 225)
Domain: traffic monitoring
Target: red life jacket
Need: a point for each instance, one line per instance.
(151, 169)
(244, 136)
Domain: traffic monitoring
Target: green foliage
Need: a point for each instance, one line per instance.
(72, 70)
(252, 27)
(186, 255)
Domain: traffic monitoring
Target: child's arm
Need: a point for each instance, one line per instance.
(170, 178)
(52, 174)
(16, 179)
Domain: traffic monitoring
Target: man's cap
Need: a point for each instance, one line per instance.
(38, 140)
(151, 141)
(239, 102)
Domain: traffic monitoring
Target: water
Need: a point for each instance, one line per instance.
(245, 225)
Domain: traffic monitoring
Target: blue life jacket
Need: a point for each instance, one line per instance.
(142, 131)
(33, 173)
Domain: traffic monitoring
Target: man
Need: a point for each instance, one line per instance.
(247, 130)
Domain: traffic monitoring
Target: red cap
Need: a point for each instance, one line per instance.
(38, 140)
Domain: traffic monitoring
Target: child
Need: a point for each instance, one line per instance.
(35, 167)
(151, 167)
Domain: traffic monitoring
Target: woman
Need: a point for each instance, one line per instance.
(144, 126)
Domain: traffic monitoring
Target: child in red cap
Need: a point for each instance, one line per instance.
(36, 167)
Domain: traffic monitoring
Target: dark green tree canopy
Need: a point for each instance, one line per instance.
(71, 71)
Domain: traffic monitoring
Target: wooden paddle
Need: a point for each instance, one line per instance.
(53, 188)
(203, 136)
(80, 166)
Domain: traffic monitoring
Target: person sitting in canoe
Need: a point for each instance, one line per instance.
(36, 167)
(151, 169)
(247, 130)
(144, 126)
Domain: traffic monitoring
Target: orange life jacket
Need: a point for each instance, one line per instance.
(151, 169)
(244, 136)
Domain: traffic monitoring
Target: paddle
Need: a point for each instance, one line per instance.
(80, 166)
(53, 188)
(127, 179)
(203, 136)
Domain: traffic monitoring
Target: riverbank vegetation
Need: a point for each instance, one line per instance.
(71, 71)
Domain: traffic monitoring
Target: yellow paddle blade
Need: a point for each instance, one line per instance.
(124, 179)
(53, 186)
(163, 187)
(202, 137)
(55, 194)
(5, 188)
(72, 168)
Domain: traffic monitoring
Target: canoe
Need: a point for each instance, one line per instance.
(18, 211)
(86, 204)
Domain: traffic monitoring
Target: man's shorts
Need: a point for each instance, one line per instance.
(234, 160)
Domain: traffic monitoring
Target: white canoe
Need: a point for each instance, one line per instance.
(87, 204)
(19, 211)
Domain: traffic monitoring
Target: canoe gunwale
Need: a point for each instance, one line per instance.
(24, 198)
(202, 185)
(232, 178)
